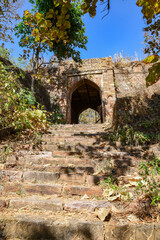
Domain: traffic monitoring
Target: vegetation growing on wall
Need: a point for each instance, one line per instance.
(137, 121)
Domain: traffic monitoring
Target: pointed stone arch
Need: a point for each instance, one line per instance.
(82, 95)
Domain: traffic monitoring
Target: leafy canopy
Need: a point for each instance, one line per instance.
(8, 16)
(151, 13)
(54, 26)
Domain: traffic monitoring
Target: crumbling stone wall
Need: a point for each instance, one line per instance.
(137, 107)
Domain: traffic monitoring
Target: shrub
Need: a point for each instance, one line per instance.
(18, 108)
(150, 183)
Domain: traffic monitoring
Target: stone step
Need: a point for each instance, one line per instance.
(77, 126)
(54, 204)
(123, 171)
(39, 177)
(50, 162)
(56, 169)
(116, 160)
(68, 149)
(69, 139)
(23, 225)
(48, 154)
(22, 189)
(75, 134)
(31, 226)
(72, 149)
(71, 135)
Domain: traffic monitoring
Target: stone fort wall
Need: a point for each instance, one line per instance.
(114, 81)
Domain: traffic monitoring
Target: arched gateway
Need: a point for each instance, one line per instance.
(84, 94)
(90, 85)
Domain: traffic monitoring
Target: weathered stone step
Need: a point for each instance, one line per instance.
(49, 177)
(48, 154)
(76, 133)
(69, 139)
(77, 126)
(53, 204)
(23, 189)
(58, 169)
(74, 147)
(68, 149)
(36, 156)
(59, 161)
(58, 158)
(20, 225)
(56, 227)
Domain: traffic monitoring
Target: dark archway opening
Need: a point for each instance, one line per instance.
(86, 95)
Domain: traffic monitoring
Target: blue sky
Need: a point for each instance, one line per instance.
(121, 30)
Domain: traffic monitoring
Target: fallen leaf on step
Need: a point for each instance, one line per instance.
(134, 184)
(1, 166)
(117, 197)
(108, 192)
(84, 197)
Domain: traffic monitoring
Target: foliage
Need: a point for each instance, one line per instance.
(54, 27)
(5, 152)
(89, 6)
(152, 37)
(113, 191)
(137, 120)
(127, 136)
(151, 59)
(154, 74)
(131, 135)
(57, 116)
(19, 62)
(150, 184)
(151, 13)
(4, 52)
(17, 105)
(8, 16)
(150, 9)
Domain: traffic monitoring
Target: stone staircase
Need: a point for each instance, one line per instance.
(55, 193)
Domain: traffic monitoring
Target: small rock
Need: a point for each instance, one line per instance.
(118, 144)
(115, 210)
(103, 214)
(3, 204)
(133, 218)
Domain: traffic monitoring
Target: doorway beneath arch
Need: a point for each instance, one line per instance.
(85, 94)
